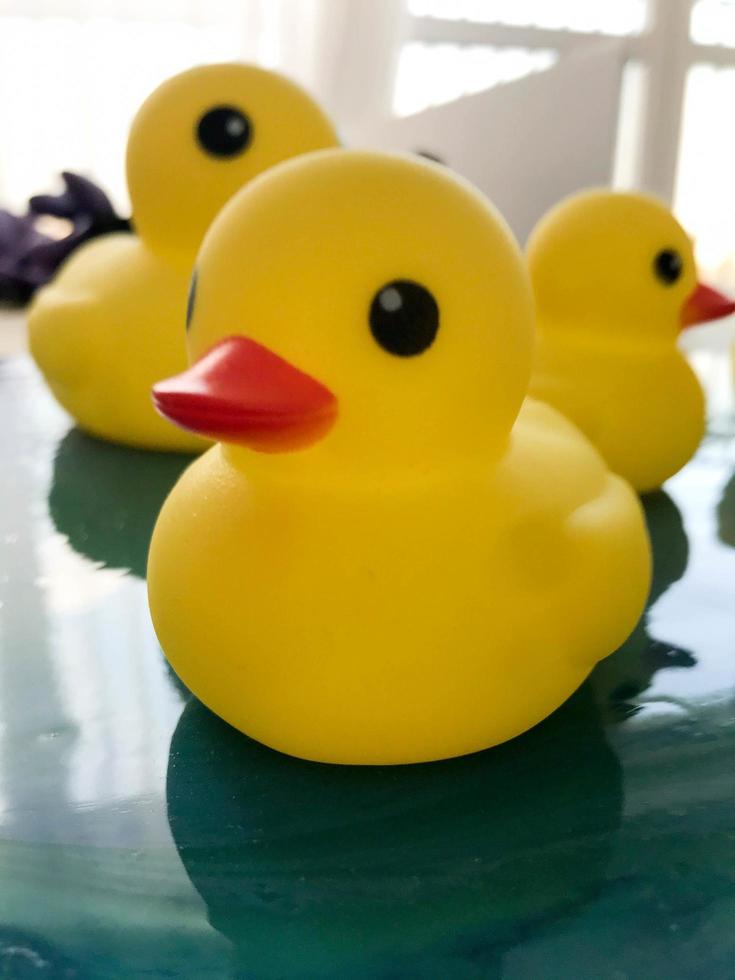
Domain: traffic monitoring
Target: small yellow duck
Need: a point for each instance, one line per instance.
(382, 561)
(111, 323)
(615, 282)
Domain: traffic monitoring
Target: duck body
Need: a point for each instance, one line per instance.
(641, 404)
(615, 283)
(391, 556)
(398, 622)
(112, 322)
(100, 334)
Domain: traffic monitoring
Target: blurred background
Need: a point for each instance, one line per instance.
(529, 98)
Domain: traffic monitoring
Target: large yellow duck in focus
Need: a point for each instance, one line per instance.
(615, 283)
(110, 324)
(382, 561)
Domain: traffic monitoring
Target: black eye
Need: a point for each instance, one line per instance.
(404, 318)
(191, 299)
(224, 131)
(668, 266)
(428, 155)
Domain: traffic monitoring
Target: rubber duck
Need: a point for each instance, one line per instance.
(111, 323)
(386, 559)
(615, 282)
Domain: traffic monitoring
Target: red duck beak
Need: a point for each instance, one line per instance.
(705, 304)
(241, 392)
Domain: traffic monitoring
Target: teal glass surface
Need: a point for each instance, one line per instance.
(105, 498)
(140, 836)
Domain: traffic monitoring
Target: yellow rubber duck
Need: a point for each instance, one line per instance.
(615, 283)
(111, 323)
(382, 561)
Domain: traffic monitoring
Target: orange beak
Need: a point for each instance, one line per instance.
(243, 393)
(705, 304)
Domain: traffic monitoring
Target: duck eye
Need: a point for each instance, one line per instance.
(191, 300)
(224, 131)
(404, 318)
(668, 266)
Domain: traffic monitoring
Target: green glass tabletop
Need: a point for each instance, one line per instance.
(142, 837)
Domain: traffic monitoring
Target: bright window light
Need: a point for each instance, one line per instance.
(704, 199)
(74, 72)
(616, 17)
(430, 74)
(713, 22)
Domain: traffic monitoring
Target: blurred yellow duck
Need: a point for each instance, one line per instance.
(382, 561)
(615, 283)
(111, 323)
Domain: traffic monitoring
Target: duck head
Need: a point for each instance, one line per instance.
(622, 263)
(357, 307)
(203, 134)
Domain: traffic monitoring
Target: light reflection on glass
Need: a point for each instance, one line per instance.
(87, 702)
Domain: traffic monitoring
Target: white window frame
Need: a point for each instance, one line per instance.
(665, 50)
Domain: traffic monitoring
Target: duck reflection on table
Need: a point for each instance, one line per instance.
(618, 679)
(726, 514)
(431, 870)
(105, 498)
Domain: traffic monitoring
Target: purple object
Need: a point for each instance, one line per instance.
(28, 258)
